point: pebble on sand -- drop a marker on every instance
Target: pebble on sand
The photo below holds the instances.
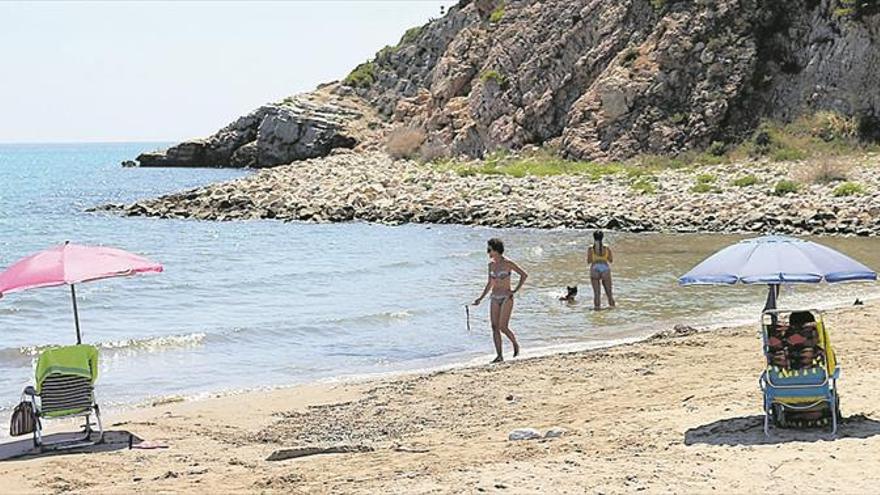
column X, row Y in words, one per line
column 555, row 432
column 524, row 434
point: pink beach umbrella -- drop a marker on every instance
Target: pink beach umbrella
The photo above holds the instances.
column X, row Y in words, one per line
column 71, row 264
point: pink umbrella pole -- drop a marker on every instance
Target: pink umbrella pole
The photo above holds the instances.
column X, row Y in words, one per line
column 75, row 314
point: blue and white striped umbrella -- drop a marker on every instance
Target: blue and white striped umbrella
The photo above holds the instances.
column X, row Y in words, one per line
column 776, row 260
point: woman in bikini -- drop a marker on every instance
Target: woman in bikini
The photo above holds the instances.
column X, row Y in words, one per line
column 600, row 258
column 500, row 269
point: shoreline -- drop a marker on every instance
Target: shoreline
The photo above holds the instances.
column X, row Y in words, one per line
column 666, row 414
column 372, row 187
column 448, row 363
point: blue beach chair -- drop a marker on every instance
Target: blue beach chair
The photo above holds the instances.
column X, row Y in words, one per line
column 800, row 382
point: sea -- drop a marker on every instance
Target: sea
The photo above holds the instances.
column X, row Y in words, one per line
column 258, row 304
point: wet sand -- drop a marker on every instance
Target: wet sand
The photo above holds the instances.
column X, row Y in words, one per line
column 676, row 414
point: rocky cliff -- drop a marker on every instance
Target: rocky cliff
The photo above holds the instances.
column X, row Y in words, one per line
column 598, row 79
column 300, row 127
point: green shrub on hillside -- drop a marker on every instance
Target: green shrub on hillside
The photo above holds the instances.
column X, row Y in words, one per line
column 495, row 76
column 363, row 76
column 818, row 135
column 384, row 53
column 829, row 126
column 787, row 155
column 856, row 9
column 703, row 187
column 497, row 14
column 849, row 189
column 717, row 148
column 539, row 164
column 745, row 181
column 644, row 186
column 410, row 35
column 784, row 187
column 706, row 179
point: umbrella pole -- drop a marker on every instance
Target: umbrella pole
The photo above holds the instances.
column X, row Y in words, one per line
column 75, row 314
column 772, row 294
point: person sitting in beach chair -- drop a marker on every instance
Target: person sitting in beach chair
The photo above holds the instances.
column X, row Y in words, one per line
column 800, row 382
column 65, row 379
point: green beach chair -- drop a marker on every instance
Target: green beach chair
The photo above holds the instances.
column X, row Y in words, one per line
column 65, row 380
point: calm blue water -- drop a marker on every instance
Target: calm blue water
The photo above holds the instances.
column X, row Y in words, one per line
column 264, row 303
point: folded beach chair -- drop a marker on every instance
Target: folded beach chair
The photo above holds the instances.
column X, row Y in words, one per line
column 800, row 382
column 65, row 380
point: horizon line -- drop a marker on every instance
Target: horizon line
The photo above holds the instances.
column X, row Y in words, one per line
column 121, row 141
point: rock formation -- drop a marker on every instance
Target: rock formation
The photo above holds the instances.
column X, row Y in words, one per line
column 599, row 79
column 372, row 187
column 298, row 128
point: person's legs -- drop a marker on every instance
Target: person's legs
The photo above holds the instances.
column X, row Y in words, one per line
column 606, row 282
column 494, row 313
column 504, row 324
column 597, row 289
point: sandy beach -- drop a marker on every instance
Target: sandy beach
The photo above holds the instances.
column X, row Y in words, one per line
column 675, row 414
column 308, row 188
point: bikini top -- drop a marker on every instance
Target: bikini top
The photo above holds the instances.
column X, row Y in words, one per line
column 499, row 274
column 600, row 258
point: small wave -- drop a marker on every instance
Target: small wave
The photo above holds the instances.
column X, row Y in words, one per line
column 153, row 344
column 150, row 344
column 383, row 317
column 469, row 254
column 399, row 264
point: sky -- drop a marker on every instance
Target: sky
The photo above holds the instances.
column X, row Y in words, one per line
column 168, row 71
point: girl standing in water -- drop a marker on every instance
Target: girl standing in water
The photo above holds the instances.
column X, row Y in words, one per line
column 501, row 306
column 600, row 258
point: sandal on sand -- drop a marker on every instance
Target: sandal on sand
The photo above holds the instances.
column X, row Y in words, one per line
column 147, row 445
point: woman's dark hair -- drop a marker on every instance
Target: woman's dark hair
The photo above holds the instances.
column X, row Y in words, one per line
column 495, row 244
column 598, row 248
column 798, row 318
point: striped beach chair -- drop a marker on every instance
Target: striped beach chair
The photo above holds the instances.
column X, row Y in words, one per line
column 65, row 379
column 800, row 382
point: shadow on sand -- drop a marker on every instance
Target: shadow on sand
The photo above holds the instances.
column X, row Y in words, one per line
column 749, row 430
column 24, row 449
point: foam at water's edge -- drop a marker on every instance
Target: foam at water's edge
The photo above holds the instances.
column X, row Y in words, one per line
column 470, row 360
column 149, row 344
